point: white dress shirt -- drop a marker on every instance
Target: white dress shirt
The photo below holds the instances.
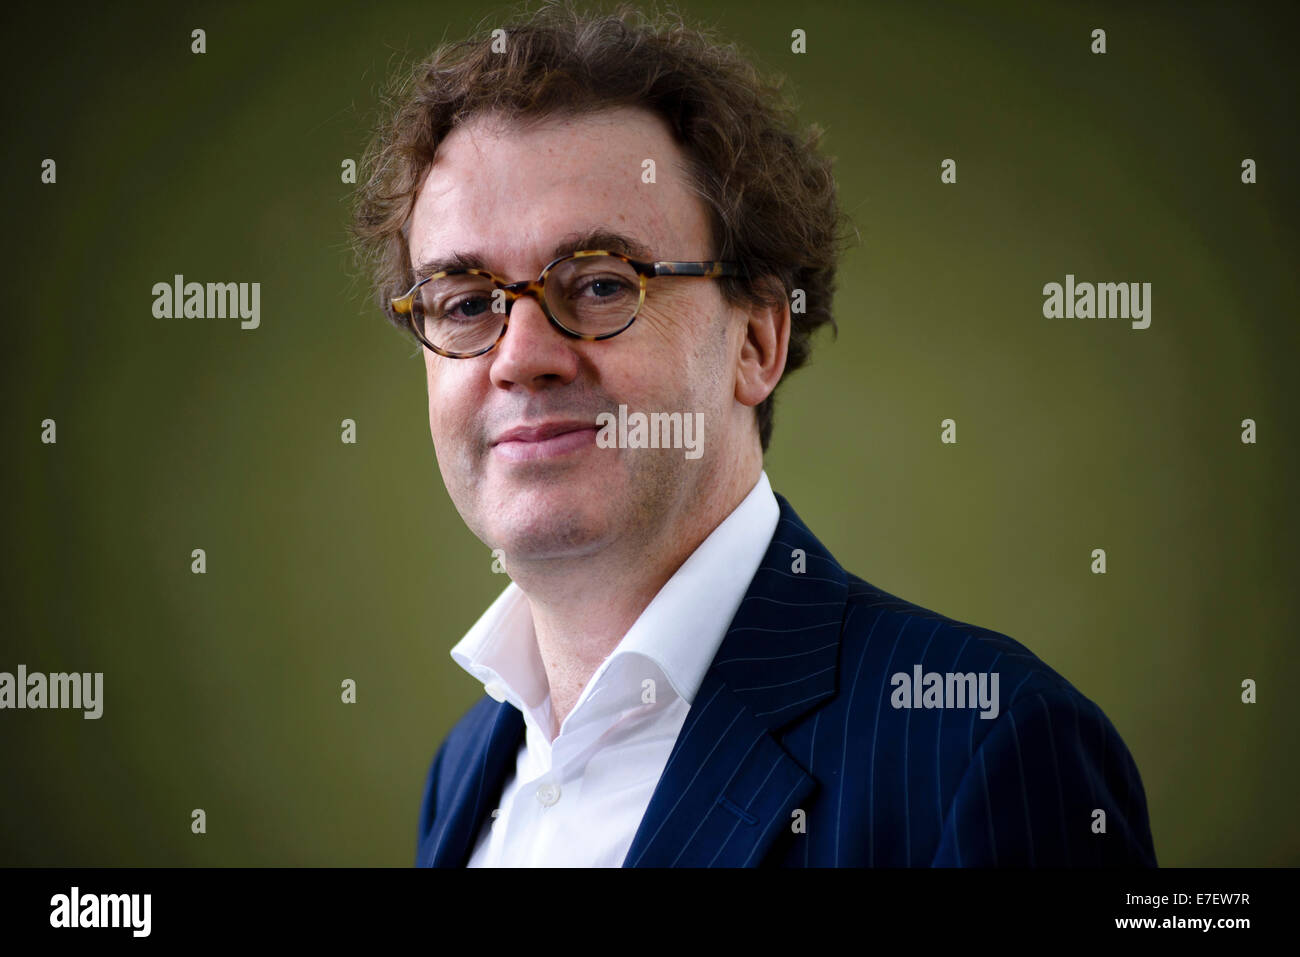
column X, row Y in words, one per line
column 577, row 801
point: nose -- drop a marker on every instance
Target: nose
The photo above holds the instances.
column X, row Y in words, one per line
column 533, row 354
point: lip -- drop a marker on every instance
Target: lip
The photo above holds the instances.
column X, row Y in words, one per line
column 543, row 430
column 545, row 439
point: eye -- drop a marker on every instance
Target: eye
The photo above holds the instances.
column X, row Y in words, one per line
column 603, row 287
column 466, row 308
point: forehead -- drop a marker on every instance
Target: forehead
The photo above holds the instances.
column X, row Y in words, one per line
column 509, row 193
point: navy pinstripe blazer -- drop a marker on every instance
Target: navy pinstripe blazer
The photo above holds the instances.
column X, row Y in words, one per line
column 793, row 753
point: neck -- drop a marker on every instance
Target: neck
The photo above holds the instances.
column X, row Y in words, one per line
column 582, row 607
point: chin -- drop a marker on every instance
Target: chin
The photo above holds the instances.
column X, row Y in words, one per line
column 548, row 523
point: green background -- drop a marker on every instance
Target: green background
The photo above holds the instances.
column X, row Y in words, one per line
column 329, row 561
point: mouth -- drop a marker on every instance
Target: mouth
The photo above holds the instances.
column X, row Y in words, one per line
column 546, row 440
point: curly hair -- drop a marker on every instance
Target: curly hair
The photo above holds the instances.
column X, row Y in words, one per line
column 770, row 195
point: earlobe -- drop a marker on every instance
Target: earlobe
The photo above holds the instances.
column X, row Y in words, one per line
column 763, row 351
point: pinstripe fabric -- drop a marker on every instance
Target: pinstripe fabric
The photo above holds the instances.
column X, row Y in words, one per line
column 795, row 715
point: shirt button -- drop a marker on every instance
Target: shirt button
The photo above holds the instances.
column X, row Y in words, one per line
column 548, row 793
column 495, row 690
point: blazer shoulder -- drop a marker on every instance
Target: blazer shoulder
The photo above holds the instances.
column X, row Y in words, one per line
column 879, row 623
column 1046, row 780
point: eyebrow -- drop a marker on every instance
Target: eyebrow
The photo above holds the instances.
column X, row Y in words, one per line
column 600, row 237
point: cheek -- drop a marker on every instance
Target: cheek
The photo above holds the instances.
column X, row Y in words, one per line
column 673, row 316
column 435, row 402
column 445, row 414
column 681, row 331
column 690, row 339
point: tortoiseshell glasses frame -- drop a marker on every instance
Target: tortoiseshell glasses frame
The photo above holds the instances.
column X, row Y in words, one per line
column 535, row 288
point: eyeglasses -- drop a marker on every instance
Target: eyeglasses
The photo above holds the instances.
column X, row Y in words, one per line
column 591, row 295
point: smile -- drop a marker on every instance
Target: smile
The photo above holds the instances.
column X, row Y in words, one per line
column 531, row 445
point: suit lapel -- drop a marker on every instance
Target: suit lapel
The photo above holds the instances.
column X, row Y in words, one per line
column 729, row 788
column 478, row 788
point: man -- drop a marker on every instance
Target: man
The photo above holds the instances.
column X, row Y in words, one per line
column 595, row 228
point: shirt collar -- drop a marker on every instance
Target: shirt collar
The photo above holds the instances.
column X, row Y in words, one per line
column 680, row 630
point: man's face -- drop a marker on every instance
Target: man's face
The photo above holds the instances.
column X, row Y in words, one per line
column 514, row 196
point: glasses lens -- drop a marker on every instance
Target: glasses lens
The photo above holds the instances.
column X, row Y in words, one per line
column 459, row 313
column 593, row 295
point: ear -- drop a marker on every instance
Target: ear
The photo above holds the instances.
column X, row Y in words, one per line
column 763, row 350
